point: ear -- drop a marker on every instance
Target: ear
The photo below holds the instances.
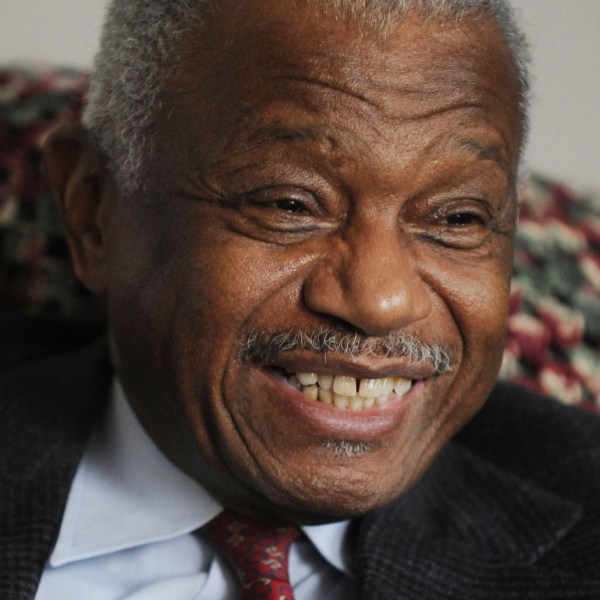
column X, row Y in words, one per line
column 84, row 192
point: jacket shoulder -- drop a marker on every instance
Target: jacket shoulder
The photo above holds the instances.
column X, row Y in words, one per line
column 538, row 438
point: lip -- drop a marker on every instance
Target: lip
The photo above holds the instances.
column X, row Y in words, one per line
column 328, row 422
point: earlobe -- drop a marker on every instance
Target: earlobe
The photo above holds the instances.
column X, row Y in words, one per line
column 80, row 185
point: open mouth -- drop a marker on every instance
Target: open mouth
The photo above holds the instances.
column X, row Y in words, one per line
column 348, row 393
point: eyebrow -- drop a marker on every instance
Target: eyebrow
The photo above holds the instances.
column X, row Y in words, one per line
column 288, row 134
column 482, row 150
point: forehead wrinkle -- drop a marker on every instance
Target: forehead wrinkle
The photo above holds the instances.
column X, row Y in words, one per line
column 380, row 96
column 379, row 93
column 329, row 85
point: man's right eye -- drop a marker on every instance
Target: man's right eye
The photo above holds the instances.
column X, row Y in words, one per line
column 284, row 200
column 289, row 205
column 282, row 214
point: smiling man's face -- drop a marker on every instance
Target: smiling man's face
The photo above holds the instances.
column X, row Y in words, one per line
column 330, row 201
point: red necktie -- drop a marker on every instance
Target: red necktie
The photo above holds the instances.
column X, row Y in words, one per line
column 257, row 551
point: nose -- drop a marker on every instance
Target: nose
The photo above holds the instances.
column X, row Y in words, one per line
column 369, row 280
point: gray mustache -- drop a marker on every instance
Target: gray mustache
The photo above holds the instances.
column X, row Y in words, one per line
column 263, row 346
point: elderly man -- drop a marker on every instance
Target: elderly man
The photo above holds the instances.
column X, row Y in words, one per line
column 301, row 215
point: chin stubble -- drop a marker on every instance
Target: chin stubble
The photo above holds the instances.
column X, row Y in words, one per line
column 347, row 449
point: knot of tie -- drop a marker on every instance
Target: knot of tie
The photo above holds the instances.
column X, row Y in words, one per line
column 257, row 551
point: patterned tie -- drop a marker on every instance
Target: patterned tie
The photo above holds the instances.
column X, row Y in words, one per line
column 257, row 551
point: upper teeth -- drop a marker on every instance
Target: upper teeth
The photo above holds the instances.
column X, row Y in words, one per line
column 347, row 392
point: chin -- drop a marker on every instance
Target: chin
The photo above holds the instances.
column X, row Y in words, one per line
column 343, row 492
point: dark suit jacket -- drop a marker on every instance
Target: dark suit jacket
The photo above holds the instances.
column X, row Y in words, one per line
column 509, row 510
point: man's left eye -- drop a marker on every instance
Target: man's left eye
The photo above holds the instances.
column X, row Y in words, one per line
column 464, row 219
column 278, row 214
column 462, row 224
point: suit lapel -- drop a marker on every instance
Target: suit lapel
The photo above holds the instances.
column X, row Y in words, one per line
column 46, row 414
column 468, row 530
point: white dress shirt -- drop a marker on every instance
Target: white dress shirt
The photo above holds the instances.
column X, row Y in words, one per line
column 127, row 532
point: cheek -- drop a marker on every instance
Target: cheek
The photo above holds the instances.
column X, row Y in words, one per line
column 471, row 304
column 479, row 301
column 481, row 317
column 216, row 286
column 475, row 291
column 475, row 294
column 236, row 281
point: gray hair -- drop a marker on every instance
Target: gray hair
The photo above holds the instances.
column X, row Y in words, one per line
column 137, row 51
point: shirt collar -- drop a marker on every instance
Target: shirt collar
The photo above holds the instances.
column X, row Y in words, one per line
column 126, row 494
column 331, row 540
